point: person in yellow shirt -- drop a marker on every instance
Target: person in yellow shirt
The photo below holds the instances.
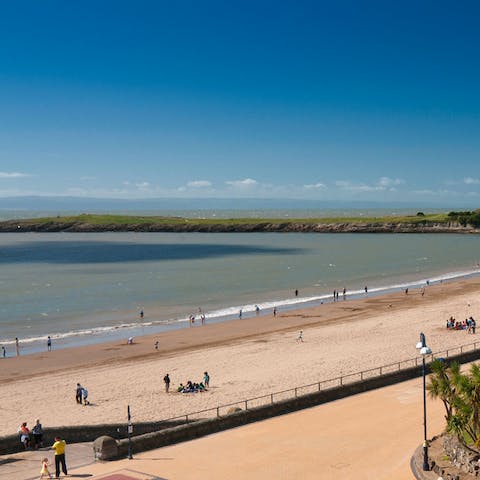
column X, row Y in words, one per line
column 59, row 447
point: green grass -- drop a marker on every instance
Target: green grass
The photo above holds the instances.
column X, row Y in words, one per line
column 157, row 220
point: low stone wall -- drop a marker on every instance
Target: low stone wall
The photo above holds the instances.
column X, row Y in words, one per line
column 461, row 456
column 84, row 433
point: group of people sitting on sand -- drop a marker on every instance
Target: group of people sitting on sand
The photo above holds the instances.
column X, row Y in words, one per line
column 191, row 387
column 468, row 324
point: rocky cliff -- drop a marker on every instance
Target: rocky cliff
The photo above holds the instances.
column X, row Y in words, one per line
column 194, row 226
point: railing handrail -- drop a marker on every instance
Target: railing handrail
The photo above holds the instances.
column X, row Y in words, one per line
column 337, row 380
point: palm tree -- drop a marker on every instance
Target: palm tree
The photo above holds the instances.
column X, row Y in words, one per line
column 441, row 386
column 460, row 394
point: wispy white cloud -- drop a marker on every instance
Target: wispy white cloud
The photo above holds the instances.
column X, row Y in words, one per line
column 199, row 184
column 315, row 186
column 435, row 192
column 389, row 182
column 358, row 187
column 13, row 175
column 471, row 181
column 381, row 185
column 245, row 183
column 136, row 185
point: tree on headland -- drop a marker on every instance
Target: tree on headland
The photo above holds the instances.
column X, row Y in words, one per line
column 466, row 218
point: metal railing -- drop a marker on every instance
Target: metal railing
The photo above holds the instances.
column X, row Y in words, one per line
column 271, row 398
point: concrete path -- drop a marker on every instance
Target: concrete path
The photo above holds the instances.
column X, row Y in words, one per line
column 26, row 465
column 367, row 436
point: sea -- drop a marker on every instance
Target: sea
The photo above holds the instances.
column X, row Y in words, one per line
column 85, row 288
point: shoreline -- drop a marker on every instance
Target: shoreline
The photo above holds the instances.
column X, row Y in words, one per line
column 245, row 358
column 213, row 334
column 153, row 325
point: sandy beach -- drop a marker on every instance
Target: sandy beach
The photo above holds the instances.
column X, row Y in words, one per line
column 245, row 358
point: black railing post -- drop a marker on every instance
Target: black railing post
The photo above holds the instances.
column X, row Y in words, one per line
column 129, row 432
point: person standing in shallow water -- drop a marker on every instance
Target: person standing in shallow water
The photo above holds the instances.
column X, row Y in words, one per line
column 49, row 344
column 17, row 346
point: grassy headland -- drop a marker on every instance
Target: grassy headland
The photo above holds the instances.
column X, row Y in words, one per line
column 444, row 222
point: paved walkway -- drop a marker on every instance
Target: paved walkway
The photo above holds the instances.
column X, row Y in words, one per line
column 367, row 436
column 26, row 465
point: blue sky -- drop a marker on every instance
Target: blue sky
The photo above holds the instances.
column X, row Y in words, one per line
column 345, row 100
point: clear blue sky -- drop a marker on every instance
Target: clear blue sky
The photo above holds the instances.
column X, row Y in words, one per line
column 351, row 100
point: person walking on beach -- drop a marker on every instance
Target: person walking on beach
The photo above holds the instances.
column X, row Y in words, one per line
column 78, row 393
column 206, row 379
column 49, row 344
column 59, row 447
column 240, row 314
column 300, row 336
column 344, row 292
column 4, row 352
column 85, row 396
column 334, row 295
column 44, row 472
column 166, row 380
column 17, row 346
column 202, row 318
column 274, row 311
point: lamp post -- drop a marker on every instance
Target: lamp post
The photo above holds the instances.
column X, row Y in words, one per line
column 424, row 351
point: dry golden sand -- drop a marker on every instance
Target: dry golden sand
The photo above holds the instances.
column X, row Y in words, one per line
column 245, row 358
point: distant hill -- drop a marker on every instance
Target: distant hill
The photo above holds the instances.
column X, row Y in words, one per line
column 87, row 204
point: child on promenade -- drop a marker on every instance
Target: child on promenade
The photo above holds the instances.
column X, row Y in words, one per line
column 44, row 472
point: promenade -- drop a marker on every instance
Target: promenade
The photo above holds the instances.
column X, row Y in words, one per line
column 367, row 436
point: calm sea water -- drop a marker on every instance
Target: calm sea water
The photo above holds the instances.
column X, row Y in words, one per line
column 86, row 288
